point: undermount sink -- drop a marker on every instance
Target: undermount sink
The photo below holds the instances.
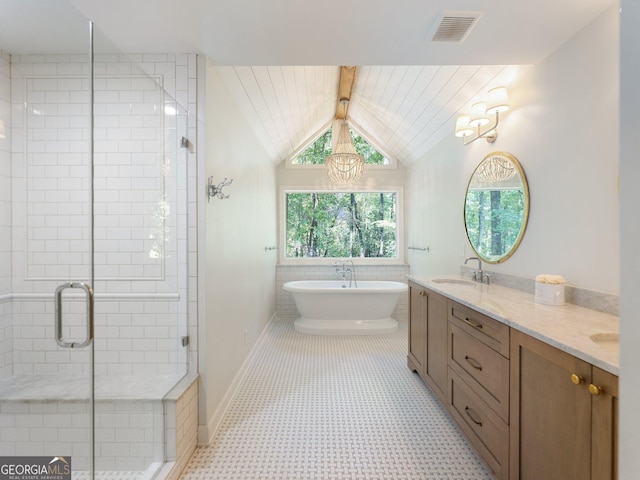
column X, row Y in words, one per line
column 456, row 281
column 609, row 341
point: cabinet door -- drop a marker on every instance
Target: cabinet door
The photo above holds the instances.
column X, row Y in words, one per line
column 436, row 368
column 417, row 357
column 604, row 424
column 551, row 415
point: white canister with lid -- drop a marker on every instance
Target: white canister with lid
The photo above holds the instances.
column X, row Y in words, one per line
column 549, row 290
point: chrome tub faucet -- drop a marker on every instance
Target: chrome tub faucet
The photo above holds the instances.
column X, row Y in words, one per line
column 344, row 271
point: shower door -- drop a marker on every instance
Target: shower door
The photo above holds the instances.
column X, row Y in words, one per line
column 47, row 292
column 93, row 282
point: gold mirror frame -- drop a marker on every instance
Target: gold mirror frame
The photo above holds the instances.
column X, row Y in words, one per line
column 491, row 172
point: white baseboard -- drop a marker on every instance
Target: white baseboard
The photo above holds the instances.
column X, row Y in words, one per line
column 206, row 433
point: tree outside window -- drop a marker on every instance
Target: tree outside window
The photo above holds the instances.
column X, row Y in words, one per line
column 341, row 225
column 315, row 153
column 494, row 219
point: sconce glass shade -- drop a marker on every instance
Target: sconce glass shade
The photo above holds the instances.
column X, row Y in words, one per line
column 462, row 126
column 478, row 114
column 344, row 165
column 497, row 100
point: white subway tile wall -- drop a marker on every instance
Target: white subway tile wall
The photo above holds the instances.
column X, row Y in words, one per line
column 286, row 307
column 128, row 433
column 145, row 250
column 6, row 327
column 143, row 209
column 6, row 335
column 181, row 417
column 135, row 420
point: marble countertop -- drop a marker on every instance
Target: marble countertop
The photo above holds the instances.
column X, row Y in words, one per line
column 567, row 327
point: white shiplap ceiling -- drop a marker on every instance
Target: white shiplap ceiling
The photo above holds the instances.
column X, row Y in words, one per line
column 408, row 90
column 403, row 110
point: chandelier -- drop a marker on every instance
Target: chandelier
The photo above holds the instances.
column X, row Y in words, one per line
column 496, row 168
column 344, row 165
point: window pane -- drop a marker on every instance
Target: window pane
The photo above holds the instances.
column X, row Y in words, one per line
column 321, row 148
column 330, row 225
column 315, row 153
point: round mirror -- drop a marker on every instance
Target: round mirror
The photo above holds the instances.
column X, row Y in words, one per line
column 496, row 207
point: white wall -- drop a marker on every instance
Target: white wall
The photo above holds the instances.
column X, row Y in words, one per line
column 563, row 128
column 630, row 232
column 240, row 274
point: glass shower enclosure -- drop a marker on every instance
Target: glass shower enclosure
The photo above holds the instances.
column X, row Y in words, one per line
column 93, row 243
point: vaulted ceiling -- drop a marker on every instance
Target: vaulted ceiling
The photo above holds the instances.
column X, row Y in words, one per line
column 280, row 58
column 402, row 110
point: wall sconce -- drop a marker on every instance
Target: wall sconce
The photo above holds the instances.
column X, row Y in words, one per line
column 474, row 126
column 216, row 190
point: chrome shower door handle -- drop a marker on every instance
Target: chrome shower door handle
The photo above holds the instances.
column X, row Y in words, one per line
column 58, row 314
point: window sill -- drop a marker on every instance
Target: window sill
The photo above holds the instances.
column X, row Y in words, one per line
column 301, row 262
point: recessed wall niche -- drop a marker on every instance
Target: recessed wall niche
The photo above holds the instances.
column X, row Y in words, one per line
column 139, row 178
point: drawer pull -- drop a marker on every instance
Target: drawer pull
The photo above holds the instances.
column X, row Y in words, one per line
column 576, row 379
column 470, row 413
column 473, row 323
column 473, row 362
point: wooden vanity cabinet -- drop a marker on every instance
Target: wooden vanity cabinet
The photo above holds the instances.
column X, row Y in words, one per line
column 478, row 395
column 417, row 356
column 428, row 337
column 564, row 415
column 532, row 411
column 604, row 426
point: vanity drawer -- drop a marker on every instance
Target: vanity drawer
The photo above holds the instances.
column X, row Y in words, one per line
column 484, row 369
column 484, row 429
column 487, row 330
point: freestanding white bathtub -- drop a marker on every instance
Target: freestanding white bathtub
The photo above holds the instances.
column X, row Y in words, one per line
column 329, row 308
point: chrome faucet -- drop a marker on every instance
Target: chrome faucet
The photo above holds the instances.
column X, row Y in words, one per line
column 476, row 275
column 344, row 271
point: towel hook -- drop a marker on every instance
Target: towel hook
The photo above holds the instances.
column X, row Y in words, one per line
column 216, row 190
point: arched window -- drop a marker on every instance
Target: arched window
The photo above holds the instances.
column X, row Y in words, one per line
column 320, row 148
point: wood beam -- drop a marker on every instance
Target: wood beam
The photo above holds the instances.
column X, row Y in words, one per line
column 345, row 89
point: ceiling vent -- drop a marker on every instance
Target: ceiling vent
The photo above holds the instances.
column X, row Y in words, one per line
column 453, row 26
